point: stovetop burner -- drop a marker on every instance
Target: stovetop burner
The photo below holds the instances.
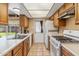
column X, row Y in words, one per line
column 64, row 39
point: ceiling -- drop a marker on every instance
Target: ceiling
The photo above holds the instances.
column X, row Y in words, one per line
column 34, row 10
column 38, row 10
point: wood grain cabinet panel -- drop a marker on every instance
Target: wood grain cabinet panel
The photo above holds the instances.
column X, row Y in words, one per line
column 19, row 53
column 65, row 52
column 56, row 19
column 68, row 5
column 58, row 22
column 52, row 17
column 3, row 13
column 76, row 13
column 24, row 22
column 25, row 48
column 62, row 9
column 17, row 48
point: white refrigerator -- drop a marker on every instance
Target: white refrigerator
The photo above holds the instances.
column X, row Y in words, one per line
column 48, row 26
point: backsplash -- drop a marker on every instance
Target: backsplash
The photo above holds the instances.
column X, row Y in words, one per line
column 70, row 24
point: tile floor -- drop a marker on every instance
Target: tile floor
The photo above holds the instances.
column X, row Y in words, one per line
column 38, row 50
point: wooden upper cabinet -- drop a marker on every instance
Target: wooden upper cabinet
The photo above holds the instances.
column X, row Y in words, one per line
column 62, row 9
column 4, row 13
column 58, row 22
column 52, row 17
column 68, row 5
column 24, row 22
column 55, row 21
column 77, row 13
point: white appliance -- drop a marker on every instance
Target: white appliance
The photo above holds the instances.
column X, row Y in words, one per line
column 54, row 47
column 69, row 36
column 48, row 26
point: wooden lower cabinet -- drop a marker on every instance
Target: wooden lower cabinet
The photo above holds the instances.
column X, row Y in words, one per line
column 18, row 50
column 21, row 49
column 26, row 47
column 65, row 52
column 19, row 53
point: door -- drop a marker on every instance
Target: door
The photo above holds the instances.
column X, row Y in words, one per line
column 39, row 36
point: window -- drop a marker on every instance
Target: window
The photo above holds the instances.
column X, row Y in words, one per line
column 38, row 25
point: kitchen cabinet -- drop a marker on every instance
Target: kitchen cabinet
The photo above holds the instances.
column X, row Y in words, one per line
column 18, row 50
column 76, row 13
column 9, row 53
column 52, row 17
column 62, row 9
column 68, row 5
column 24, row 22
column 4, row 13
column 26, row 47
column 19, row 53
column 58, row 22
column 56, row 19
column 65, row 52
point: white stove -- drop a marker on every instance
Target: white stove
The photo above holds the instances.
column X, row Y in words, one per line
column 55, row 41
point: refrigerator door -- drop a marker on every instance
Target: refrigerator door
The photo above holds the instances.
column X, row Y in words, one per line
column 48, row 26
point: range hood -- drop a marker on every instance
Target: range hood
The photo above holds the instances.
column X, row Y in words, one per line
column 67, row 14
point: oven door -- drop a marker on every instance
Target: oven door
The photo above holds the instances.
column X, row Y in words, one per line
column 54, row 48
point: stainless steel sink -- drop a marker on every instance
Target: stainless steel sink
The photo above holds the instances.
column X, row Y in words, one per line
column 19, row 37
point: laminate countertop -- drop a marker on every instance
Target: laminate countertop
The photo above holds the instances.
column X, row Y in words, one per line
column 8, row 45
column 72, row 47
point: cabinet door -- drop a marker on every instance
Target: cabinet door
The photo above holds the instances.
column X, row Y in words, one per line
column 62, row 23
column 17, row 48
column 68, row 5
column 26, row 47
column 77, row 13
column 56, row 19
column 3, row 13
column 24, row 21
column 52, row 17
column 21, row 21
column 19, row 52
column 65, row 52
column 62, row 9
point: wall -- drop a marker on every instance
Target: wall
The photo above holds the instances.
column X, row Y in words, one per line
column 38, row 37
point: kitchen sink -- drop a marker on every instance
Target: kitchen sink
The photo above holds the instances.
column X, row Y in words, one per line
column 19, row 37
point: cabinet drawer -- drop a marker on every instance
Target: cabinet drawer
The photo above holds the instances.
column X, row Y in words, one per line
column 17, row 48
column 19, row 52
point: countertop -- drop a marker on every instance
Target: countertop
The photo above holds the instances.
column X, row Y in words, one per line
column 72, row 47
column 7, row 45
